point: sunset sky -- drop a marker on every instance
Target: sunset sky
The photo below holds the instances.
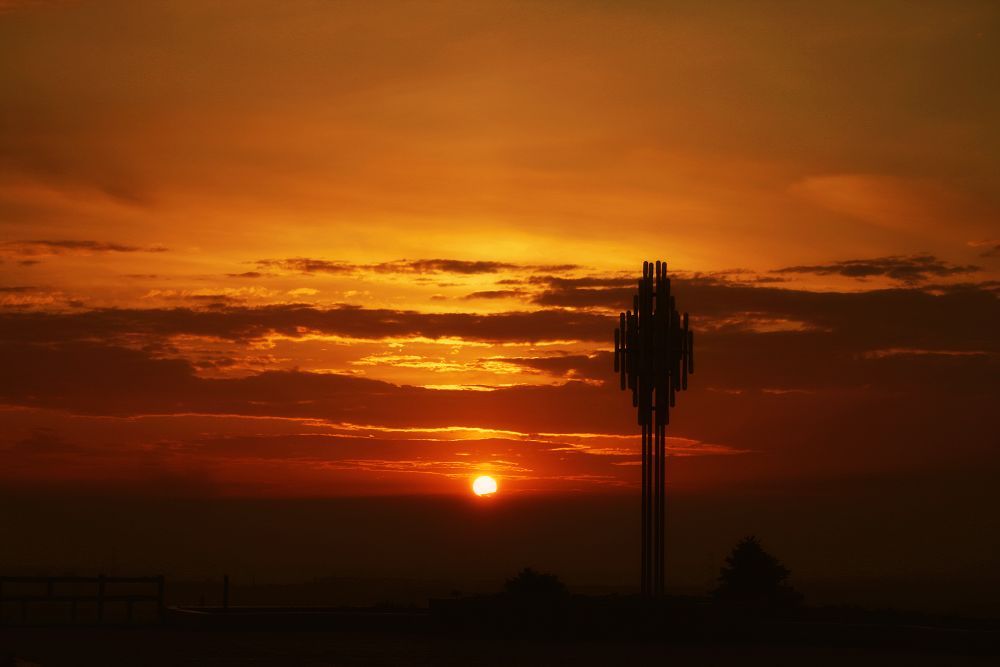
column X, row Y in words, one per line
column 337, row 249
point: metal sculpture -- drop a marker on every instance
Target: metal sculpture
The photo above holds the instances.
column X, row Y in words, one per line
column 654, row 354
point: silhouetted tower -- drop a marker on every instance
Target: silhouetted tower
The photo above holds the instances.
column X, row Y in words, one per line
column 654, row 353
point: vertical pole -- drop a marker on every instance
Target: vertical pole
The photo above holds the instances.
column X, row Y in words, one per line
column 652, row 354
column 649, row 368
column 645, row 537
column 100, row 598
column 620, row 365
column 650, row 508
column 160, row 601
column 663, row 509
column 659, row 517
column 654, row 547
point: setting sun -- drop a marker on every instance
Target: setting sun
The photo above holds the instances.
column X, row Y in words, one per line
column 484, row 486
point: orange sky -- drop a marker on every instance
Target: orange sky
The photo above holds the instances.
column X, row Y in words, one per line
column 320, row 248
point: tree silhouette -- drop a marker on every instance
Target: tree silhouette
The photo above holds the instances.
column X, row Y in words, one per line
column 753, row 576
column 529, row 582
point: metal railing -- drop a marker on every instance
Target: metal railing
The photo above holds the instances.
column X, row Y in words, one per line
column 52, row 590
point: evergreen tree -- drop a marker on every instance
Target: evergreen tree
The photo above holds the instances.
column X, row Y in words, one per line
column 753, row 576
column 529, row 582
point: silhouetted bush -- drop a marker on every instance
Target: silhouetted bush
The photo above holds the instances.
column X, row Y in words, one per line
column 751, row 576
column 529, row 582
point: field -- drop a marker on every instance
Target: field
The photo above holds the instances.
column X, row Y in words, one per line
column 153, row 647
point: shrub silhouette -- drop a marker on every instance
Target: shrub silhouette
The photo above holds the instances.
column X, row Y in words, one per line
column 751, row 576
column 529, row 582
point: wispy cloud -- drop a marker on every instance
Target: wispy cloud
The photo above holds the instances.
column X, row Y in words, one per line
column 43, row 248
column 411, row 266
column 989, row 247
column 908, row 269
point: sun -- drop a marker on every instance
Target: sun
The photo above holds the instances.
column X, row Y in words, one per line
column 484, row 486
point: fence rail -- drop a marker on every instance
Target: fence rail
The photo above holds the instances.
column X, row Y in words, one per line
column 99, row 597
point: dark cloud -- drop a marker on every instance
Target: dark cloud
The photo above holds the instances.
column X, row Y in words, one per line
column 990, row 286
column 307, row 265
column 70, row 247
column 494, row 294
column 988, row 248
column 16, row 289
column 881, row 376
column 602, row 282
column 960, row 316
column 97, row 379
column 796, row 397
column 911, row 269
column 442, row 266
column 418, row 266
column 893, row 349
column 579, row 366
column 586, row 297
column 294, row 320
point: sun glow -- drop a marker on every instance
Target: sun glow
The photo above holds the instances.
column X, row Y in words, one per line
column 484, row 486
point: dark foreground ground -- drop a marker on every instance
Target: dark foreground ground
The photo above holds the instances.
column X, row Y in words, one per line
column 55, row 647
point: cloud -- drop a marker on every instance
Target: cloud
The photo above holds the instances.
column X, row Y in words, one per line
column 297, row 321
column 247, row 274
column 956, row 317
column 286, row 453
column 27, row 296
column 595, row 366
column 894, row 202
column 910, row 270
column 960, row 316
column 305, row 265
column 42, row 248
column 458, row 266
column 990, row 247
column 494, row 294
column 825, row 396
column 810, row 404
column 406, row 266
column 88, row 378
column 43, row 441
